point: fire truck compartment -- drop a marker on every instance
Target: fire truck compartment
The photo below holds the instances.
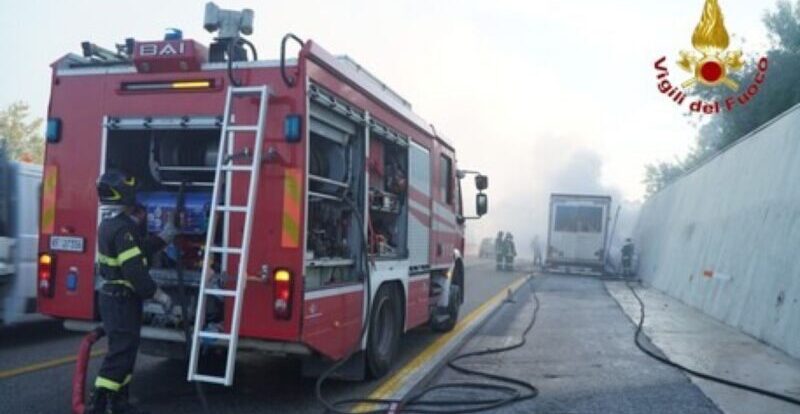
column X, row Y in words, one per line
column 335, row 238
column 176, row 174
column 351, row 179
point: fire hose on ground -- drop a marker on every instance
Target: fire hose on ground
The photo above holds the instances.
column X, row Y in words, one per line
column 81, row 365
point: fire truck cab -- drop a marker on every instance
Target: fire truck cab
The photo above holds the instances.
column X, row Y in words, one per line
column 344, row 206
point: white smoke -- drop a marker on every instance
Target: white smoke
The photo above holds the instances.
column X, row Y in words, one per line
column 519, row 197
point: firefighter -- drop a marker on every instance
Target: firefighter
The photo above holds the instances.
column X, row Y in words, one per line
column 122, row 260
column 627, row 257
column 510, row 252
column 499, row 250
column 537, row 252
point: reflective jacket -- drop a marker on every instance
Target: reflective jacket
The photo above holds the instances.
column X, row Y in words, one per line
column 122, row 255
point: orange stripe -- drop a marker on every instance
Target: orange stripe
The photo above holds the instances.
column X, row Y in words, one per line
column 49, row 199
column 290, row 234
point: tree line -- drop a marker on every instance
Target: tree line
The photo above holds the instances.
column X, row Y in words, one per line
column 20, row 136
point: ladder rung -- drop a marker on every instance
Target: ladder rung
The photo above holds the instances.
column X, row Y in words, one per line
column 236, row 168
column 214, row 335
column 234, row 209
column 247, row 90
column 209, row 378
column 220, row 292
column 228, row 250
column 242, row 128
column 247, row 160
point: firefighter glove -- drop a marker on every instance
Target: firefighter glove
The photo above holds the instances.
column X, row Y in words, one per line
column 163, row 299
column 169, row 231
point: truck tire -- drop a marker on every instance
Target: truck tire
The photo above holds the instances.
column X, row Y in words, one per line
column 447, row 324
column 439, row 324
column 384, row 332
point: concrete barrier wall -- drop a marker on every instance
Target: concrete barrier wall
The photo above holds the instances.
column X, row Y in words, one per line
column 737, row 217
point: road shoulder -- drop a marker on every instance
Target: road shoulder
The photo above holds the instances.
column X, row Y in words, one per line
column 690, row 337
column 579, row 354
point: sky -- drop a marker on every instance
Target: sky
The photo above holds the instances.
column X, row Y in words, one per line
column 542, row 96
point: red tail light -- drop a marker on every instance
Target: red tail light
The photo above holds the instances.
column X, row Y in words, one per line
column 282, row 293
column 46, row 280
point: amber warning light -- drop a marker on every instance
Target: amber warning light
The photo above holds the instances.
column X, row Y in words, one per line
column 184, row 85
column 282, row 294
column 45, row 273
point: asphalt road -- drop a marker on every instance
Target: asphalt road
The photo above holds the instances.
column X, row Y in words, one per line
column 262, row 385
column 580, row 355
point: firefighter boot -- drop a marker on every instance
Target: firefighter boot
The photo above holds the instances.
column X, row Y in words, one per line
column 98, row 400
column 118, row 403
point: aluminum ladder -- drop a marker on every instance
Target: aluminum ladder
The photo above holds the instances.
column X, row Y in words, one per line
column 224, row 174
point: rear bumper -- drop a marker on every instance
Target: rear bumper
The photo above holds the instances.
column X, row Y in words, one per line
column 575, row 269
column 574, row 262
column 176, row 336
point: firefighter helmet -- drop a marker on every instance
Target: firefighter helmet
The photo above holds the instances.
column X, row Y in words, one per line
column 117, row 188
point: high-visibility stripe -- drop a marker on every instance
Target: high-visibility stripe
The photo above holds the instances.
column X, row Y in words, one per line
column 49, row 199
column 120, row 259
column 128, row 255
column 122, row 282
column 108, row 261
column 127, row 380
column 290, row 234
column 106, row 383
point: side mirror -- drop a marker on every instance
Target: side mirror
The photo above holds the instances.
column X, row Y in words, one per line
column 481, row 182
column 481, row 204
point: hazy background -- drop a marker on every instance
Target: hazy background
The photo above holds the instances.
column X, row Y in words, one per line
column 543, row 96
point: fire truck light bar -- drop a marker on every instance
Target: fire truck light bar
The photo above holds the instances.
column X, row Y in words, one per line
column 167, row 85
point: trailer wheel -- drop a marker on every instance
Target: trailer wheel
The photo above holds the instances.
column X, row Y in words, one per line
column 384, row 332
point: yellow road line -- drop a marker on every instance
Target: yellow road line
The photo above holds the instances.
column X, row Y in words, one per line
column 393, row 383
column 46, row 364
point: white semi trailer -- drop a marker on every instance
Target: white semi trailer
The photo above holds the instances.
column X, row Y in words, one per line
column 577, row 233
column 20, row 189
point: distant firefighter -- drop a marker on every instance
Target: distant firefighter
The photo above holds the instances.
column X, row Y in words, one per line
column 510, row 252
column 537, row 251
column 499, row 250
column 628, row 250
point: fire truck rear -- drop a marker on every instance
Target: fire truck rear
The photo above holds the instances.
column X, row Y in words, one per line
column 311, row 199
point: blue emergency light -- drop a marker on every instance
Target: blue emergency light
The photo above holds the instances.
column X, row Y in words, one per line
column 53, row 133
column 72, row 280
column 173, row 34
column 291, row 128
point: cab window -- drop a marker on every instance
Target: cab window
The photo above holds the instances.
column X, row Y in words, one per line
column 446, row 179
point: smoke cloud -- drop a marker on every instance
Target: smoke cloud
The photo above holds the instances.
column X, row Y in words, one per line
column 519, row 203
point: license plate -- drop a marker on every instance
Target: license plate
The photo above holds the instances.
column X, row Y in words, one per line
column 66, row 244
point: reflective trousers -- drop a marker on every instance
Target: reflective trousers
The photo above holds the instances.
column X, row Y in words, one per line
column 121, row 312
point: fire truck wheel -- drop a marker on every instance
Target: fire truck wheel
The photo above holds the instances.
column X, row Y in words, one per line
column 384, row 332
column 447, row 323
column 444, row 320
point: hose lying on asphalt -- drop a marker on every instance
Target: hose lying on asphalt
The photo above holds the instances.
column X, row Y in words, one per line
column 651, row 354
column 511, row 390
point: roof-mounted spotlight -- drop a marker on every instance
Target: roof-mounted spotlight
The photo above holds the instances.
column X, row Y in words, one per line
column 228, row 46
column 229, row 23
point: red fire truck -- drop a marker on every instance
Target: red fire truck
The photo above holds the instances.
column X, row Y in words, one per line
column 311, row 199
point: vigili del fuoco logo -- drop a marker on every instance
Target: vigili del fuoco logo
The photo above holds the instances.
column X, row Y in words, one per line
column 710, row 66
